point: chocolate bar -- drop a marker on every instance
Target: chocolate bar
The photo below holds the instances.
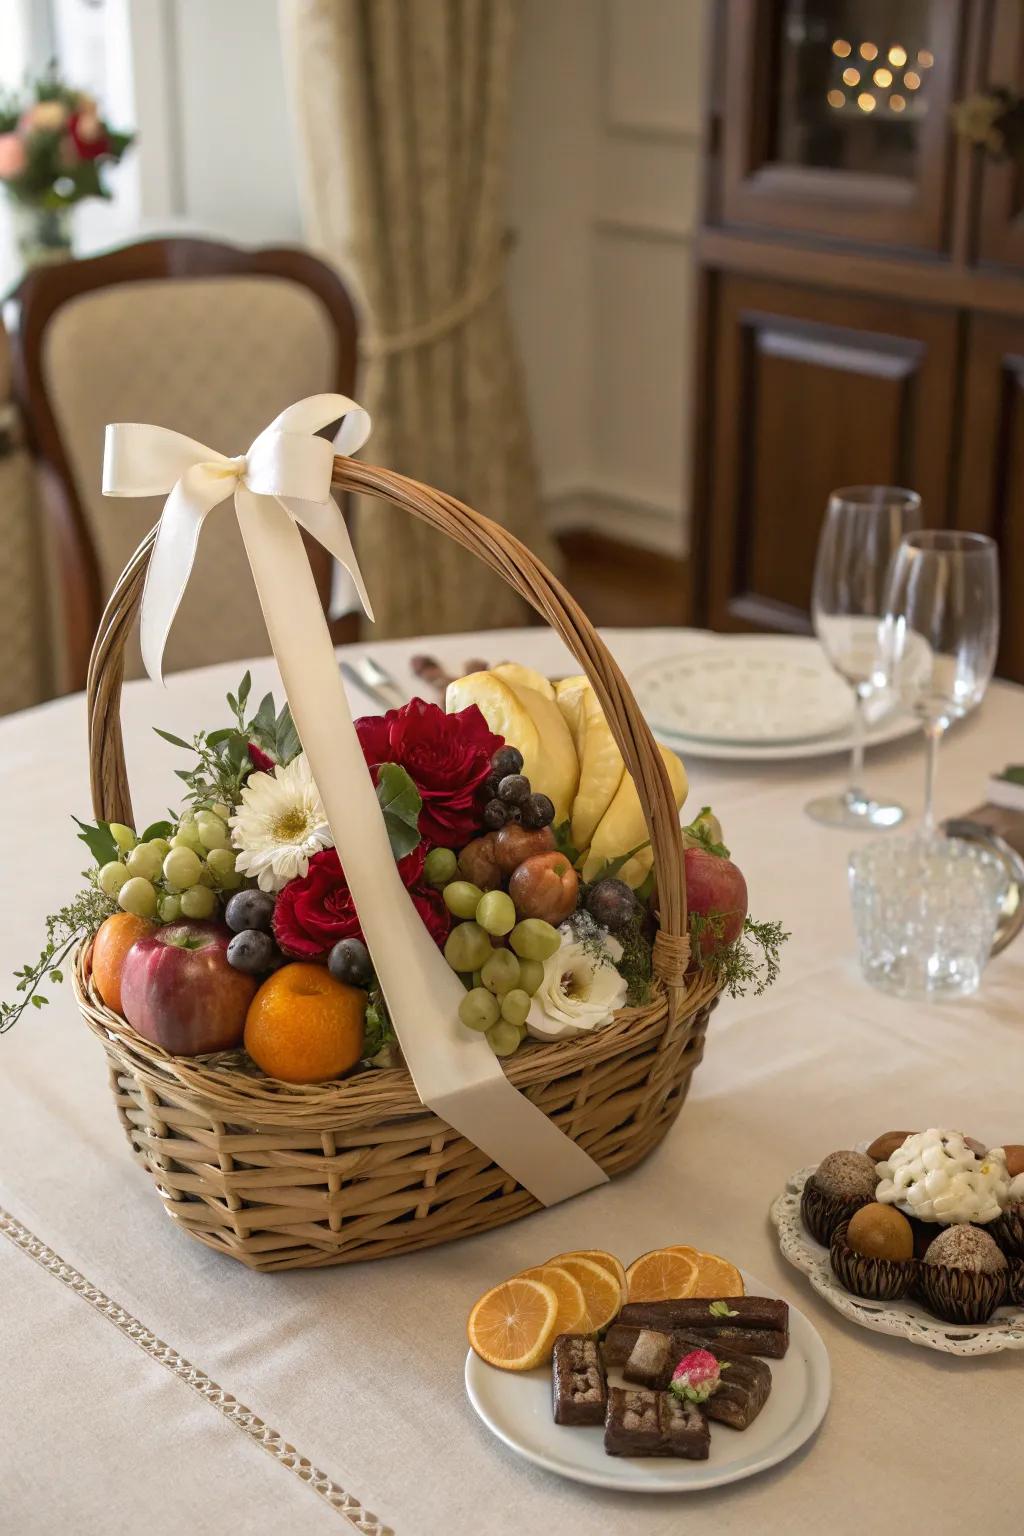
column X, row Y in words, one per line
column 741, row 1393
column 641, row 1423
column 621, row 1338
column 579, row 1391
column 698, row 1312
column 651, row 1360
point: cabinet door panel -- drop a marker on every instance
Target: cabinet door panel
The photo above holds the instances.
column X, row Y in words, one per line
column 991, row 487
column 835, row 120
column 811, row 391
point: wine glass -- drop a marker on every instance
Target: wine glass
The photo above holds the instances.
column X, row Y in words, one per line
column 860, row 536
column 941, row 633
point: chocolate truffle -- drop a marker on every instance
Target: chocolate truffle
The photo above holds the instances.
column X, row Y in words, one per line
column 880, row 1232
column 846, row 1176
column 876, row 1277
column 1008, row 1229
column 966, row 1247
column 963, row 1278
column 883, row 1147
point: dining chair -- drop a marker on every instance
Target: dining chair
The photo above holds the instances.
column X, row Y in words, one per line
column 206, row 338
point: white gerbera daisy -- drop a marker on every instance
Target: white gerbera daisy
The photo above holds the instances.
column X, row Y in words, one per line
column 279, row 825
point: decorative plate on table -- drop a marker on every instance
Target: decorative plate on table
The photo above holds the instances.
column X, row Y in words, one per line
column 516, row 1406
column 744, row 693
column 904, row 1319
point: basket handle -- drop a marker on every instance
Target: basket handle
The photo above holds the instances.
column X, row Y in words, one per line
column 533, row 582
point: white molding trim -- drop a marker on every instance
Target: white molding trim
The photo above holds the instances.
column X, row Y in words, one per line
column 656, row 526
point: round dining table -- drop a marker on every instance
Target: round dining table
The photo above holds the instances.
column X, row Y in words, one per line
column 151, row 1385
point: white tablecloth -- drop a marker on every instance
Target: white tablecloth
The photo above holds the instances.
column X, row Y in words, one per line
column 144, row 1379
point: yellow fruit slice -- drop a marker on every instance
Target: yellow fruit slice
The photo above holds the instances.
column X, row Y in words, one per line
column 601, row 773
column 601, row 1290
column 685, row 1249
column 716, row 1277
column 501, row 708
column 513, row 1326
column 622, row 826
column 572, row 1309
column 524, row 677
column 606, row 1260
column 661, row 1276
column 556, row 770
column 570, row 693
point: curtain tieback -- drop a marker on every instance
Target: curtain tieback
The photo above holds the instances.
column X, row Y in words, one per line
column 479, row 293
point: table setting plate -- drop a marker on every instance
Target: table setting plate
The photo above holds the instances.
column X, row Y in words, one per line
column 901, row 1319
column 516, row 1407
column 758, row 699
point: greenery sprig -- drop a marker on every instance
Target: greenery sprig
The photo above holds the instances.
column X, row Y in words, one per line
column 750, row 962
column 64, row 929
column 223, row 762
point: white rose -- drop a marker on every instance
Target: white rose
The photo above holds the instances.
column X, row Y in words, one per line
column 581, row 990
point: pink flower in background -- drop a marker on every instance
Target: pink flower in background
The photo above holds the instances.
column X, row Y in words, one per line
column 12, row 156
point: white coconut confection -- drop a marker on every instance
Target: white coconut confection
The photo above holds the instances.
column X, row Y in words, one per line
column 936, row 1177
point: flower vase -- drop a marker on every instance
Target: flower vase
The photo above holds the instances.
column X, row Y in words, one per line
column 43, row 235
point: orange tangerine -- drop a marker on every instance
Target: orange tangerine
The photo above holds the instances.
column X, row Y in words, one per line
column 661, row 1276
column 114, row 938
column 305, row 1027
column 514, row 1325
column 716, row 1277
column 572, row 1309
column 601, row 1291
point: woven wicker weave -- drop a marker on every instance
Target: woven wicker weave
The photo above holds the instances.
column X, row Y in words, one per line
column 285, row 1176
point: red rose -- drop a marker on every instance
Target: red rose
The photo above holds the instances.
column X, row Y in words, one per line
column 88, row 135
column 312, row 913
column 448, row 757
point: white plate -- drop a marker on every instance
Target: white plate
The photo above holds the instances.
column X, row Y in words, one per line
column 743, row 693
column 905, row 1319
column 517, row 1408
column 893, row 727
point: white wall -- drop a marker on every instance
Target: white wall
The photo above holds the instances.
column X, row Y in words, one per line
column 604, row 188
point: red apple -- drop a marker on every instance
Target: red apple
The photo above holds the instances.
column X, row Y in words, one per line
column 545, row 886
column 178, row 990
column 716, row 888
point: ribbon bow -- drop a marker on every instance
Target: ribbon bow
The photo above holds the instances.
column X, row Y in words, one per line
column 286, row 463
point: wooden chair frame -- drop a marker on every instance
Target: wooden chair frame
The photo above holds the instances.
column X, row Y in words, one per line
column 35, row 302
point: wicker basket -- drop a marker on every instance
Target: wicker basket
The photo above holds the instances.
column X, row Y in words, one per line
column 282, row 1176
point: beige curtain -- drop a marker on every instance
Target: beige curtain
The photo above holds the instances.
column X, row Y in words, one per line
column 401, row 109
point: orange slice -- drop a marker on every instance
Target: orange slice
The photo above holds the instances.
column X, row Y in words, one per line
column 661, row 1276
column 685, row 1249
column 513, row 1326
column 716, row 1277
column 597, row 1256
column 572, row 1309
column 601, row 1290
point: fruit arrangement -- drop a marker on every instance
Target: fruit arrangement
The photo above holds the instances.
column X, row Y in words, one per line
column 515, row 829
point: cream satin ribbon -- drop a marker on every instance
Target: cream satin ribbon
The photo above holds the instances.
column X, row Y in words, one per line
column 284, row 481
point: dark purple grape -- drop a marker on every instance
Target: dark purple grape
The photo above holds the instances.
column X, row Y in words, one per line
column 249, row 909
column 611, row 903
column 513, row 813
column 490, row 788
column 538, row 811
column 505, row 761
column 349, row 961
column 495, row 814
column 514, row 789
column 252, row 951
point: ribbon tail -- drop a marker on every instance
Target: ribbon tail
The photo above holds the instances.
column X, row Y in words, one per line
column 453, row 1068
column 170, row 564
column 326, row 522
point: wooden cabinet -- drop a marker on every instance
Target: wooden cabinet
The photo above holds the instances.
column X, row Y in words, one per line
column 861, row 292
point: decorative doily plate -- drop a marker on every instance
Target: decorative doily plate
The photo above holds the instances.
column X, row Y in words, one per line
column 905, row 1319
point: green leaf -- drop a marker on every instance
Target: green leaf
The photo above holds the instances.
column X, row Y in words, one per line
column 156, row 829
column 564, row 843
column 99, row 840
column 720, row 1309
column 244, row 689
column 262, row 723
column 645, row 890
column 175, row 741
column 216, row 738
column 698, row 835
column 401, row 804
column 1014, row 775
column 610, row 868
column 286, row 738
